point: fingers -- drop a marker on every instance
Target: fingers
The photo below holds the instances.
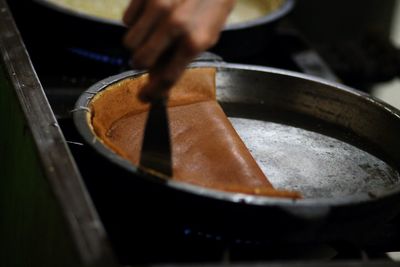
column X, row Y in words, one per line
column 154, row 11
column 132, row 11
column 182, row 24
column 169, row 34
column 149, row 54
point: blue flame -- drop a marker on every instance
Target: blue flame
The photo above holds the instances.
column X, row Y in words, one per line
column 116, row 61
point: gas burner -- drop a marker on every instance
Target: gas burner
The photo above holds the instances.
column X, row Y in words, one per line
column 99, row 57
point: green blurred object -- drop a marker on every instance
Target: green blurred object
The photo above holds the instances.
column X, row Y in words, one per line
column 46, row 216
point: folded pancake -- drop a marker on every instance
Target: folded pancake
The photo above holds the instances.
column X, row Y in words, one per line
column 206, row 150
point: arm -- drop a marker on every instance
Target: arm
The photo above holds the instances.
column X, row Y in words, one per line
column 165, row 35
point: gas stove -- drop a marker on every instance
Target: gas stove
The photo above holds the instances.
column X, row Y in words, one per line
column 66, row 71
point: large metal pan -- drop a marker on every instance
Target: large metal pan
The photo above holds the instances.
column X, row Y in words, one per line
column 338, row 146
column 77, row 29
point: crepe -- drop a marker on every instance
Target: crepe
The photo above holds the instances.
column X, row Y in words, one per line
column 206, row 150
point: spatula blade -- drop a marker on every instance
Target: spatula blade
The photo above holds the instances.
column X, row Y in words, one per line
column 156, row 146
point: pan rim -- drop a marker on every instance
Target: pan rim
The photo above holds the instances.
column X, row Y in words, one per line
column 80, row 120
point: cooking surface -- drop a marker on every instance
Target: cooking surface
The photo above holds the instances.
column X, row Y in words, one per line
column 317, row 165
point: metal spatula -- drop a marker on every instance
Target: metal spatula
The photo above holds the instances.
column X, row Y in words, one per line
column 156, row 147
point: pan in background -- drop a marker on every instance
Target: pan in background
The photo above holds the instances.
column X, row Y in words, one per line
column 77, row 29
column 338, row 146
column 244, row 12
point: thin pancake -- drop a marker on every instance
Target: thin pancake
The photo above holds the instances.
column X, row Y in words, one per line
column 207, row 151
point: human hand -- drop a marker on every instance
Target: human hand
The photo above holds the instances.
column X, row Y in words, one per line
column 165, row 35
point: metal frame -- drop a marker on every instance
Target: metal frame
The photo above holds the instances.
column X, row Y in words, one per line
column 61, row 173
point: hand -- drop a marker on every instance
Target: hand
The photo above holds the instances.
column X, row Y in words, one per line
column 165, row 35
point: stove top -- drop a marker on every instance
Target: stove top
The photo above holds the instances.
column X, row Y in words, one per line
column 66, row 71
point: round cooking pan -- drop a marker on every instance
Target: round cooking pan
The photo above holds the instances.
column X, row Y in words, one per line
column 77, row 29
column 337, row 146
